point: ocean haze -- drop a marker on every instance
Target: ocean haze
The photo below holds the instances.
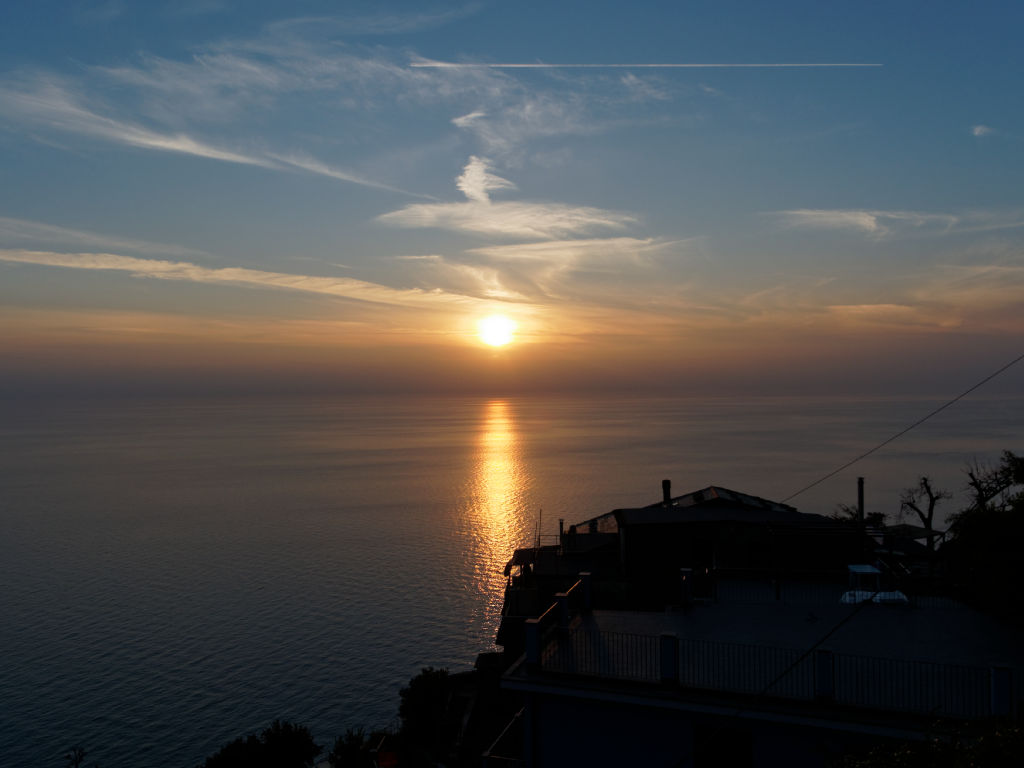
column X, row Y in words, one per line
column 178, row 572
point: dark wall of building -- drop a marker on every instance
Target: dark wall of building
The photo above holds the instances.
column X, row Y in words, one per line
column 574, row 731
column 655, row 549
column 594, row 733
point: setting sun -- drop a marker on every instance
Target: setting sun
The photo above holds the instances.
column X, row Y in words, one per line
column 496, row 330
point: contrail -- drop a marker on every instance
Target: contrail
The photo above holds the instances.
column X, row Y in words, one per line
column 793, row 65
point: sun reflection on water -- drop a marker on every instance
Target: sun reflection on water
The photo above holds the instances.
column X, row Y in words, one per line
column 497, row 499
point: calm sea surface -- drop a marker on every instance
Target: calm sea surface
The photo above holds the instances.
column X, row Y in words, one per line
column 174, row 574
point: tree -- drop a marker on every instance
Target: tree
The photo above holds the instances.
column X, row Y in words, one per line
column 922, row 501
column 983, row 551
column 282, row 745
column 353, row 750
column 847, row 513
column 424, row 711
column 987, row 483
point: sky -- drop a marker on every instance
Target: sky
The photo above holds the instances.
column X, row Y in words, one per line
column 210, row 195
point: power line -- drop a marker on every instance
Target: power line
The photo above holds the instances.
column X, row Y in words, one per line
column 900, row 434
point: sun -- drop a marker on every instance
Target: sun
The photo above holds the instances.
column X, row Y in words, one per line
column 496, row 330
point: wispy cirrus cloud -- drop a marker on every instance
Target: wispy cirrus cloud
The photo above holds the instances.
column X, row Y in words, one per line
column 511, row 118
column 980, row 130
column 907, row 316
column 312, row 165
column 438, row 272
column 644, row 88
column 481, row 215
column 346, row 22
column 226, row 88
column 51, row 105
column 344, row 288
column 882, row 223
column 24, row 231
column 977, row 287
column 477, row 182
column 210, row 86
column 620, row 271
column 508, row 219
column 615, row 272
column 877, row 223
column 595, row 252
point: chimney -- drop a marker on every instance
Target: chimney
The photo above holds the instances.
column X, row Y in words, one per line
column 860, row 501
column 666, row 492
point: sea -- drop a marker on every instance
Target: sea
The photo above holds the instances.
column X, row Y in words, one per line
column 175, row 573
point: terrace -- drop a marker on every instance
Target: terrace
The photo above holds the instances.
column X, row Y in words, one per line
column 939, row 660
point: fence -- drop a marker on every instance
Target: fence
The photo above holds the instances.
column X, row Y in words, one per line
column 746, row 669
column 605, row 654
column 940, row 690
column 915, row 686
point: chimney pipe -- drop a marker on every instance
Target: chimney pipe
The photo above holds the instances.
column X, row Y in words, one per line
column 860, row 501
column 666, row 491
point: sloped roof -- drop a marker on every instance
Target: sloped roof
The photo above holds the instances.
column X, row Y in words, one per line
column 909, row 531
column 716, row 504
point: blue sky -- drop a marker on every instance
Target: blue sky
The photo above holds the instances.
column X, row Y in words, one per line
column 213, row 189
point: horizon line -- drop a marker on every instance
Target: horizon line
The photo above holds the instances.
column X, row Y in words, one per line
column 540, row 65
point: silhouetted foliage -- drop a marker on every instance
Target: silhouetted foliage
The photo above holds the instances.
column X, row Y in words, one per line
column 922, row 500
column 983, row 550
column 846, row 513
column 1002, row 747
column 354, row 750
column 282, row 745
column 849, row 513
column 991, row 487
column 423, row 712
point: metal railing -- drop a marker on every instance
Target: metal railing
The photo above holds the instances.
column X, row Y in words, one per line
column 742, row 668
column 899, row 685
column 604, row 654
column 913, row 686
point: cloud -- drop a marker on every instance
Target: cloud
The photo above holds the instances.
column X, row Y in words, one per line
column 466, row 121
column 51, row 105
column 873, row 222
column 614, row 252
column 312, row 165
column 208, row 86
column 617, row 272
column 344, row 288
column 980, row 130
column 476, row 181
column 174, row 104
column 892, row 315
column 380, row 23
column 879, row 223
column 620, row 271
column 481, row 281
column 644, row 89
column 508, row 219
column 981, row 287
column 480, row 215
column 515, row 116
column 21, row 230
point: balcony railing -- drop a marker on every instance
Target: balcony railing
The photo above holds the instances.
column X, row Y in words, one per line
column 604, row 654
column 898, row 685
